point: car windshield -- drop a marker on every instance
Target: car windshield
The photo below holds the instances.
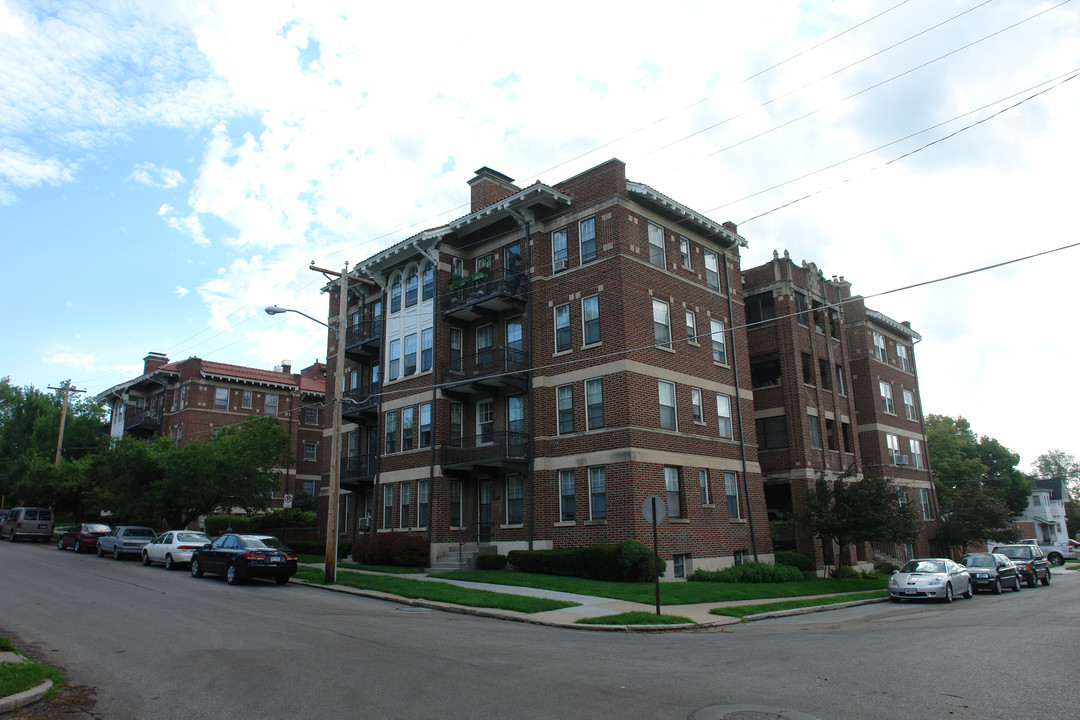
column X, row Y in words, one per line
column 924, row 566
column 263, row 542
column 96, row 528
column 982, row 561
column 191, row 537
column 141, row 532
column 1015, row 552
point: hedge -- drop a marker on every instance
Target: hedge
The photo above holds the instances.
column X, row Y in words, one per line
column 794, row 559
column 751, row 572
column 392, row 548
column 491, row 562
column 631, row 561
column 317, row 547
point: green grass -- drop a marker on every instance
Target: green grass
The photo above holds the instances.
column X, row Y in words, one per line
column 6, row 645
column 389, row 569
column 744, row 610
column 437, row 591
column 682, row 593
column 17, row 677
column 636, row 618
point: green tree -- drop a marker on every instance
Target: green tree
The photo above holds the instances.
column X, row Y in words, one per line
column 1059, row 464
column 960, row 458
column 975, row 513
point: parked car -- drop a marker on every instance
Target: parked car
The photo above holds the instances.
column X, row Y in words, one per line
column 1056, row 554
column 239, row 557
column 1030, row 561
column 990, row 571
column 937, row 578
column 173, row 548
column 125, row 540
column 29, row 523
column 82, row 537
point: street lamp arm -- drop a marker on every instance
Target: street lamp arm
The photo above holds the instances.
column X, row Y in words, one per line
column 275, row 310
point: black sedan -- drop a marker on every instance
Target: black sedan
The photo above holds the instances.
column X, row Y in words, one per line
column 242, row 556
column 991, row 571
column 1030, row 561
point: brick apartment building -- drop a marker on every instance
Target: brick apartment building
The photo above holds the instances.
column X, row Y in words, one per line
column 190, row 398
column 526, row 375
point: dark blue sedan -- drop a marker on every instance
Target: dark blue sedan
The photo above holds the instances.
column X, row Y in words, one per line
column 242, row 556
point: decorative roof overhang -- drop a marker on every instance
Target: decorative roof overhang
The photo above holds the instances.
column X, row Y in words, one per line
column 520, row 203
column 209, row 375
column 152, row 380
column 683, row 215
column 893, row 325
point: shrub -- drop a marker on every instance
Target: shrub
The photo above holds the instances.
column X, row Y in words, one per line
column 636, row 562
column 317, row 547
column 887, row 567
column 751, row 572
column 380, row 550
column 630, row 561
column 410, row 551
column 276, row 519
column 217, row 524
column 491, row 562
column 844, row 572
column 794, row 559
column 359, row 548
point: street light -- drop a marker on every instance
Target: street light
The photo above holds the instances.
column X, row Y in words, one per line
column 330, row 575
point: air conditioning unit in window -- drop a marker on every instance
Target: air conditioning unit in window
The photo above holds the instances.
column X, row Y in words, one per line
column 900, row 459
column 363, row 523
column 559, row 265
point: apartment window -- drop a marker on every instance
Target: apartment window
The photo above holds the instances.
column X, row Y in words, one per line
column 771, row 432
column 246, row 401
column 886, row 397
column 455, row 349
column 562, row 327
column 691, row 326
column 395, row 297
column 221, row 398
column 840, row 380
column 391, row 431
column 590, row 318
column 425, row 425
column 916, row 453
column 667, row 404
column 423, row 503
column 901, row 496
column 695, row 405
column 411, row 287
column 823, row 372
column 719, row 346
column 410, row 354
column 515, row 496
column 566, row 495
column 892, row 443
column 723, row 414
column 559, row 254
column 800, row 309
column 661, row 323
column 483, row 264
column 815, row 431
column 407, row 428
column 564, row 395
column 678, row 564
column 514, row 339
column 731, row 490
column 902, row 357
column 395, row 360
column 309, row 451
column 703, row 484
column 311, row 416
column 739, row 557
column 455, row 503
column 587, row 234
column 924, row 503
column 597, row 494
column 594, row 404
column 674, row 493
column 388, row 507
column 454, row 430
column 759, row 308
column 656, row 245
column 428, row 284
column 426, row 337
column 270, row 404
column 808, row 369
column 684, row 252
column 403, row 517
column 175, row 400
column 515, row 417
column 879, row 347
column 712, row 269
column 909, row 405
column 485, row 421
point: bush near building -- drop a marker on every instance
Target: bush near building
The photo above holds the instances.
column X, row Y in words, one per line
column 630, row 561
column 751, row 572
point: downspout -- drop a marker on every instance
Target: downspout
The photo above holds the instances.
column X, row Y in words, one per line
column 738, row 410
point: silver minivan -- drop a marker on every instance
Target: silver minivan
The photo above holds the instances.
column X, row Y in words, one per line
column 29, row 523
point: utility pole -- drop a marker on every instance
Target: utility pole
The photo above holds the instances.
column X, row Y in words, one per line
column 65, row 389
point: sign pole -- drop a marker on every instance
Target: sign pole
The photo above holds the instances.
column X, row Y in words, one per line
column 655, row 557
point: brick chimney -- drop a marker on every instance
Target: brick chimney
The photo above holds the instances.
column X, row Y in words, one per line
column 489, row 187
column 153, row 361
column 286, row 367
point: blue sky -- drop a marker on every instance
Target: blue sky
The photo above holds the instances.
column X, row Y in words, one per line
column 168, row 169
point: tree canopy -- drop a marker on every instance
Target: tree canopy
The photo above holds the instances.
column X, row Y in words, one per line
column 960, row 458
column 1059, row 464
column 974, row 513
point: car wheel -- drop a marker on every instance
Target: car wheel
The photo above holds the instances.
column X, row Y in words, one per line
column 1046, row 578
column 894, row 599
column 1034, row 581
column 169, row 563
column 100, row 550
column 146, row 559
column 281, row 580
column 59, row 544
column 116, row 553
column 948, row 593
column 232, row 575
column 997, row 586
column 970, row 592
column 1056, row 558
column 196, row 568
column 1016, row 584
column 11, row 537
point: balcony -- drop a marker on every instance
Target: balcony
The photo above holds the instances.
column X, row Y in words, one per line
column 486, row 296
column 357, row 469
column 143, row 420
column 503, row 449
column 360, row 403
column 486, row 372
column 362, row 339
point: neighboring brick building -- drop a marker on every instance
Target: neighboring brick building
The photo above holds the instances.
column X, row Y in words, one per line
column 526, row 375
column 191, row 398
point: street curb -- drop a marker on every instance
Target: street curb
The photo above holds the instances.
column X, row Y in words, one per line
column 18, row 700
column 812, row 609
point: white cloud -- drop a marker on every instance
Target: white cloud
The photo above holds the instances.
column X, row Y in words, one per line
column 66, row 356
column 181, row 291
column 147, row 173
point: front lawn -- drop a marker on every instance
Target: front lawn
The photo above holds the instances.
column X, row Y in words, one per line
column 671, row 593
column 18, row 677
column 744, row 610
column 636, row 618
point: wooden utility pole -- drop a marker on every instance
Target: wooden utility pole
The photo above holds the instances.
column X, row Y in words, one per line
column 65, row 389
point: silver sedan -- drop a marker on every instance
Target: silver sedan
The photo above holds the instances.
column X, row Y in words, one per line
column 173, row 548
column 936, row 578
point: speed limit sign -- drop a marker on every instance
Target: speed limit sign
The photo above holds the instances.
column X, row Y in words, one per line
column 288, row 501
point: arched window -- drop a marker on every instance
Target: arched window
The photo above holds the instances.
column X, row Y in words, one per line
column 429, row 282
column 395, row 297
column 410, row 288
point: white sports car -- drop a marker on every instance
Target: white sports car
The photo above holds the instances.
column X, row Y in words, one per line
column 937, row 578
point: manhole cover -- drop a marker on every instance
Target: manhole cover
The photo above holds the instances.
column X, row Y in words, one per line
column 747, row 712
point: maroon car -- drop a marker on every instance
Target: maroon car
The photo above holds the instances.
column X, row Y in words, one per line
column 83, row 537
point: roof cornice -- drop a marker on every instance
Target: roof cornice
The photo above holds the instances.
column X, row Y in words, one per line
column 683, row 214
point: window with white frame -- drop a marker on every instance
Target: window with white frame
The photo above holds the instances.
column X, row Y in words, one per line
column 455, row 503
column 388, row 507
column 395, row 297
column 566, row 495
column 406, row 492
column 395, row 360
column 924, row 504
column 840, row 380
column 712, row 269
column 590, row 319
column 892, row 444
column 597, row 493
column 455, row 349
column 656, row 246
column 428, row 282
column 594, row 404
column 311, row 416
column 457, row 267
column 661, row 323
column 485, row 340
column 731, row 490
column 695, row 405
column 815, row 431
column 559, row 254
column 515, row 417
column 407, row 415
column 684, row 252
column 515, row 497
column 916, row 453
column 485, row 422
column 426, row 341
column 411, row 288
column 423, row 503
column 221, row 398
column 667, row 404
column 309, row 451
column 587, row 237
column 674, row 492
column 455, row 422
column 410, row 354
column 909, row 405
column 879, row 347
column 886, row 397
column 270, row 404
column 564, row 399
column 678, row 564
column 391, row 431
column 246, row 399
column 723, row 415
column 425, row 425
column 719, row 345
column 514, row 339
column 703, row 485
column 562, row 327
column 691, row 326
column 902, row 358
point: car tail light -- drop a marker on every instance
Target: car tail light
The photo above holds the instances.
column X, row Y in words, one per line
column 254, row 556
column 187, row 547
column 290, row 557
